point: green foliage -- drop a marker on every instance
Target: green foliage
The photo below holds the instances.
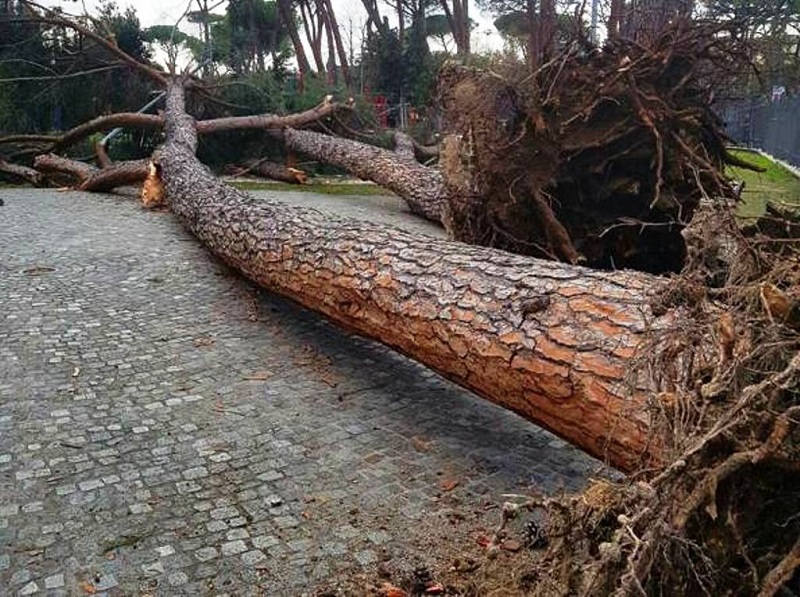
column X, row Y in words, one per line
column 250, row 31
column 401, row 70
column 366, row 189
column 771, row 27
column 124, row 28
column 29, row 50
column 167, row 36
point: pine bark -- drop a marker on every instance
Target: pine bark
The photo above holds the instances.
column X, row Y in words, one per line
column 17, row 171
column 549, row 341
column 421, row 187
column 90, row 178
column 274, row 171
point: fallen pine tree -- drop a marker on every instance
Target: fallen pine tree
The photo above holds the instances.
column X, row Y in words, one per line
column 691, row 385
column 547, row 341
column 712, row 507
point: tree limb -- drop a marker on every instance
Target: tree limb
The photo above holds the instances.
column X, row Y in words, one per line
column 420, row 186
column 27, row 174
column 53, row 18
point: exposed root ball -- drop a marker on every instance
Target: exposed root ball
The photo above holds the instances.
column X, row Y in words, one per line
column 599, row 157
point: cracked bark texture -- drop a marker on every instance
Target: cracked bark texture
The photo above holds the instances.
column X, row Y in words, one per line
column 549, row 341
column 95, row 179
column 17, row 171
column 421, row 187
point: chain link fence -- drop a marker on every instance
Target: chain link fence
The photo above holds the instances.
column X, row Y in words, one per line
column 771, row 124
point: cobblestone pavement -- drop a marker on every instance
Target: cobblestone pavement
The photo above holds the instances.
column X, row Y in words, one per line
column 166, row 428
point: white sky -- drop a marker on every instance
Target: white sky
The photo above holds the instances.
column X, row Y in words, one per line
column 166, row 12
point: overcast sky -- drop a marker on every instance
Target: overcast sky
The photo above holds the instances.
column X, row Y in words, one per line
column 166, row 12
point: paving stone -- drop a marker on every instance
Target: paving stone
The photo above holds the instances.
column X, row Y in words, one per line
column 264, row 542
column 237, row 534
column 52, row 528
column 233, row 547
column 251, row 558
column 164, row 449
column 165, row 550
column 366, row 557
column 106, row 582
column 9, row 510
column 153, row 569
column 206, row 553
column 177, row 579
column 89, row 485
column 140, row 508
column 20, row 576
column 216, row 526
column 55, row 581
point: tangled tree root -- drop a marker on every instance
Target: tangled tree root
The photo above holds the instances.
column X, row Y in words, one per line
column 723, row 517
column 599, row 157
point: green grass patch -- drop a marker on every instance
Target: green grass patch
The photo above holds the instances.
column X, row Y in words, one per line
column 314, row 187
column 776, row 185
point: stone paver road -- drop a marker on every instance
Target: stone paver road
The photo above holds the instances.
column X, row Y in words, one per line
column 166, row 428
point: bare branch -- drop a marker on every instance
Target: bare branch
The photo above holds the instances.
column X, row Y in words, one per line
column 270, row 121
column 58, row 77
column 101, row 123
column 53, row 18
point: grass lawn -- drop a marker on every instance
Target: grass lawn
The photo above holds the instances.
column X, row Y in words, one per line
column 333, row 188
column 776, row 185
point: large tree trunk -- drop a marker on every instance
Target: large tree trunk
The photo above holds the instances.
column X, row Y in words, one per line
column 549, row 341
column 313, row 34
column 458, row 21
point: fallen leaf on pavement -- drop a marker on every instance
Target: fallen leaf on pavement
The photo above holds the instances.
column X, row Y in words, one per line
column 420, row 443
column 448, row 484
column 258, row 376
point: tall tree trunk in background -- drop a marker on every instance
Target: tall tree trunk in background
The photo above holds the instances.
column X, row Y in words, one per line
column 534, row 43
column 648, row 18
column 327, row 27
column 313, row 34
column 458, row 21
column 547, row 29
column 401, row 21
column 549, row 341
column 615, row 18
column 374, row 16
column 337, row 39
column 288, row 19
